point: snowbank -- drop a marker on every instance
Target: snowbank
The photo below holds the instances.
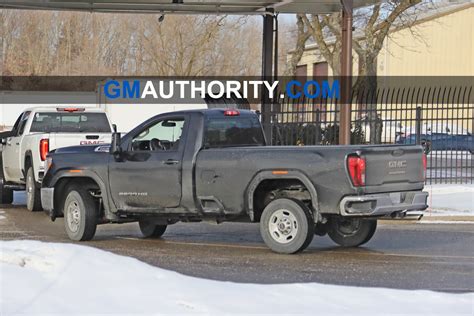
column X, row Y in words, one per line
column 451, row 199
column 48, row 278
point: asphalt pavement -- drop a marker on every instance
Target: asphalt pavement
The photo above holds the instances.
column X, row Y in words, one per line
column 404, row 255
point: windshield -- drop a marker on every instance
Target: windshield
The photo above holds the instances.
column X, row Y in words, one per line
column 70, row 123
column 233, row 131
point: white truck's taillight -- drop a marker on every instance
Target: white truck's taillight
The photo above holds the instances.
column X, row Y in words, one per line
column 44, row 148
column 356, row 166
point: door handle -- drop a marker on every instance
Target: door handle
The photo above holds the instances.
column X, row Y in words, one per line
column 171, row 162
column 9, row 142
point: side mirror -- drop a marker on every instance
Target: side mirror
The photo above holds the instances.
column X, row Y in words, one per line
column 115, row 148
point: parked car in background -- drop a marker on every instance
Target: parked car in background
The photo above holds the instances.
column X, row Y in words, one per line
column 38, row 131
column 441, row 141
column 440, row 137
column 391, row 130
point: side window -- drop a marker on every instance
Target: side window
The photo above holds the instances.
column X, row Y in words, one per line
column 17, row 123
column 161, row 136
column 24, row 119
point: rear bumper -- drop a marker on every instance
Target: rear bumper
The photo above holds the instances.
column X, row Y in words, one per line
column 383, row 204
column 47, row 199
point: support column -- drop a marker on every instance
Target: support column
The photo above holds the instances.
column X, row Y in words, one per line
column 346, row 73
column 267, row 71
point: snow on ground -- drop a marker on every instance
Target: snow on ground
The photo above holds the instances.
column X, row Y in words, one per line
column 19, row 198
column 64, row 279
column 450, row 199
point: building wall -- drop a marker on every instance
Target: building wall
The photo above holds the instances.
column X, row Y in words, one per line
column 446, row 48
column 443, row 46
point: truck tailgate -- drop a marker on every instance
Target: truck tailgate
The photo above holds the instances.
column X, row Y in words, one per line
column 393, row 166
column 59, row 140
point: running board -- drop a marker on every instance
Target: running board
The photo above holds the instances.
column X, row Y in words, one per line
column 15, row 187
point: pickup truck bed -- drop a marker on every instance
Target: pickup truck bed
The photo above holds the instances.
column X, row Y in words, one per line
column 214, row 164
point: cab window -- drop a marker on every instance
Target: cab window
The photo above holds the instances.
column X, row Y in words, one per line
column 21, row 126
column 164, row 135
column 14, row 130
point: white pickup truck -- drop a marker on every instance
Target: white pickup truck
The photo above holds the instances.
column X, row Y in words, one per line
column 38, row 131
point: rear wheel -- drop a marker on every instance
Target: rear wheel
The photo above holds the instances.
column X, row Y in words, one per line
column 80, row 213
column 287, row 226
column 33, row 197
column 351, row 232
column 6, row 195
column 151, row 230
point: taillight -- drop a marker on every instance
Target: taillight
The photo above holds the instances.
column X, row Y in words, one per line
column 425, row 165
column 231, row 113
column 70, row 110
column 356, row 166
column 44, row 148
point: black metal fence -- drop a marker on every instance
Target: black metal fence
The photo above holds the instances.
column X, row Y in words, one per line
column 441, row 119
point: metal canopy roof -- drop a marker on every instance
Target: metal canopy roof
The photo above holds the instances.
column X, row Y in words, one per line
column 185, row 6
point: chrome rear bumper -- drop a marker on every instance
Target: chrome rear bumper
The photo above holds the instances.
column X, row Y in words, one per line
column 383, row 204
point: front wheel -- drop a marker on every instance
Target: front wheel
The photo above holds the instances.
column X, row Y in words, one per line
column 80, row 214
column 6, row 195
column 287, row 226
column 33, row 197
column 351, row 232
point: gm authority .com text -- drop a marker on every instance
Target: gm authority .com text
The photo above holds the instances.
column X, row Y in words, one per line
column 216, row 89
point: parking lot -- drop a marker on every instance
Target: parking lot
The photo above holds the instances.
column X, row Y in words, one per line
column 435, row 256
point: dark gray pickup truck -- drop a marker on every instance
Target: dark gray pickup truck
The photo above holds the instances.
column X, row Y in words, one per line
column 214, row 165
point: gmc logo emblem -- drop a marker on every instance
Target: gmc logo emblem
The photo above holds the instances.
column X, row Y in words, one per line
column 397, row 164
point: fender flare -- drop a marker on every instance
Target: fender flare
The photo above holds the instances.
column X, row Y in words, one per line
column 268, row 175
column 86, row 174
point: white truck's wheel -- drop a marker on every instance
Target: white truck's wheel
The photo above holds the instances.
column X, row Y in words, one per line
column 287, row 226
column 351, row 232
column 151, row 230
column 80, row 214
column 33, row 197
column 6, row 195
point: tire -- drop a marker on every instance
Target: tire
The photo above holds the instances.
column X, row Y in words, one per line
column 80, row 214
column 6, row 195
column 33, row 194
column 287, row 226
column 151, row 230
column 351, row 232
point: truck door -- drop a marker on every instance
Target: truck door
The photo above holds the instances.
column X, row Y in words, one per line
column 149, row 174
column 12, row 161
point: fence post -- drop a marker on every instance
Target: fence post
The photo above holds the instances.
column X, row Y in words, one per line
column 418, row 118
column 318, row 127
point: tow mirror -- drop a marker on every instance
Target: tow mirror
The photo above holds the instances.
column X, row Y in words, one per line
column 115, row 148
column 168, row 124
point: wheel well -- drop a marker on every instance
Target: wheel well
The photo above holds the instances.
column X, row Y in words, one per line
column 271, row 189
column 28, row 162
column 63, row 184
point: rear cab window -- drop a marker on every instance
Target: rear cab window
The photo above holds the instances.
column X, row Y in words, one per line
column 77, row 122
column 233, row 131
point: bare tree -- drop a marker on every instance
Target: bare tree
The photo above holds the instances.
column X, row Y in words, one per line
column 79, row 43
column 372, row 29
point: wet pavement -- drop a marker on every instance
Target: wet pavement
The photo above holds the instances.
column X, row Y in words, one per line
column 401, row 255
